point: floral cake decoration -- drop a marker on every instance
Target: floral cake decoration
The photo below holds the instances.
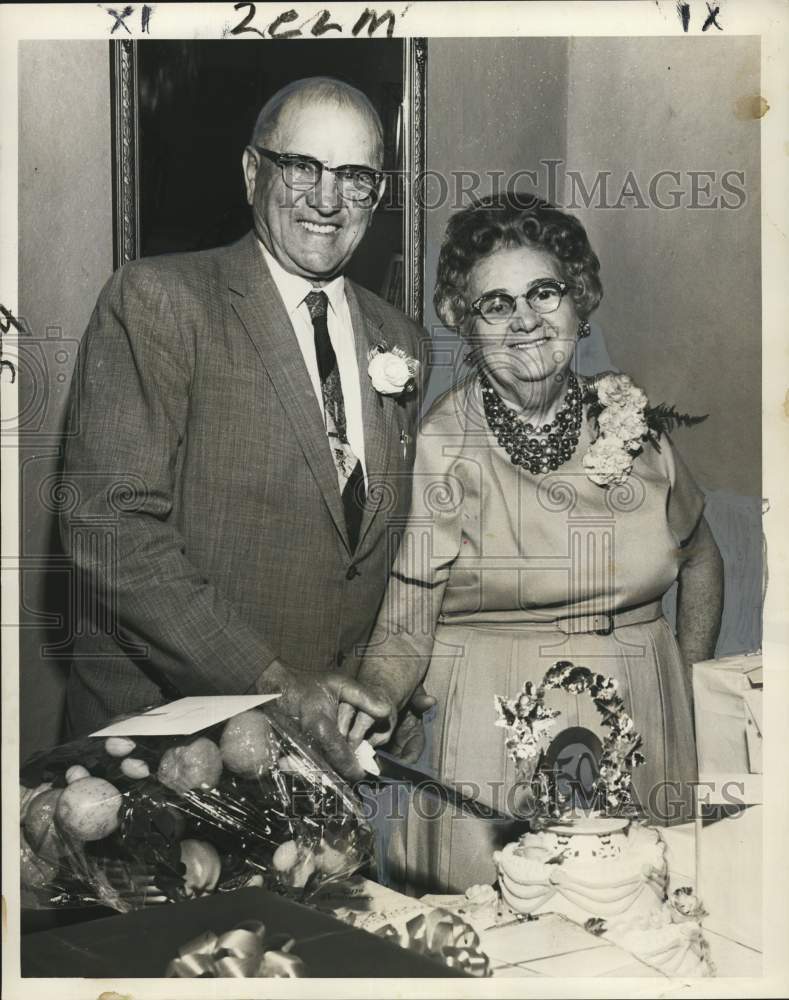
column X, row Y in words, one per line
column 529, row 722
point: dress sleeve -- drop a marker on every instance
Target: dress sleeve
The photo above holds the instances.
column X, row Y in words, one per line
column 430, row 543
column 685, row 503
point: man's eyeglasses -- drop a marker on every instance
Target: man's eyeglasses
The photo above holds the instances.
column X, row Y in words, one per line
column 303, row 173
column 498, row 307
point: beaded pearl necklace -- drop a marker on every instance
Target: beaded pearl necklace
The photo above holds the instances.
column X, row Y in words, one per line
column 536, row 449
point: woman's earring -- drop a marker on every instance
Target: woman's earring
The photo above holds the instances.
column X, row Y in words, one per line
column 584, row 328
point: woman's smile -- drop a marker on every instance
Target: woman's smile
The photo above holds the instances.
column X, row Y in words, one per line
column 528, row 351
column 525, row 345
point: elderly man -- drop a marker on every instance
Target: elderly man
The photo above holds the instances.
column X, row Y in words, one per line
column 229, row 449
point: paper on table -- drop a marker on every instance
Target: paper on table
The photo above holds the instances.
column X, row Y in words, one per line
column 601, row 962
column 186, row 716
column 523, row 942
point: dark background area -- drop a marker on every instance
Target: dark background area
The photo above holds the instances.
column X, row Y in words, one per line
column 198, row 103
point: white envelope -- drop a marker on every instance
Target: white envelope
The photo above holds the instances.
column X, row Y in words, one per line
column 185, row 716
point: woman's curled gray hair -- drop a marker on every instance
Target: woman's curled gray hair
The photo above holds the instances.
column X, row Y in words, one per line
column 504, row 221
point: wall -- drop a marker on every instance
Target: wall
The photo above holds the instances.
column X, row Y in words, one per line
column 492, row 105
column 682, row 309
column 65, row 256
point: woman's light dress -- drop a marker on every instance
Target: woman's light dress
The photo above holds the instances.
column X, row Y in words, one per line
column 491, row 557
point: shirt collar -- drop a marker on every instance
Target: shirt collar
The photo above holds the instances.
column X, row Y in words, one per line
column 294, row 289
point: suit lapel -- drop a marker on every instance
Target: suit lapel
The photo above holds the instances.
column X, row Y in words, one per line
column 377, row 410
column 258, row 305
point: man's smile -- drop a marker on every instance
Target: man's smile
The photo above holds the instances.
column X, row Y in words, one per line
column 320, row 228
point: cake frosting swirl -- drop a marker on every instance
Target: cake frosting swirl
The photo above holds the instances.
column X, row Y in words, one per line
column 582, row 875
column 614, row 883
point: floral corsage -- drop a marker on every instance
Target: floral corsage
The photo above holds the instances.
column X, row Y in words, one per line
column 625, row 421
column 391, row 370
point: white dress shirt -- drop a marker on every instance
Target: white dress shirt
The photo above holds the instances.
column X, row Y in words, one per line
column 294, row 290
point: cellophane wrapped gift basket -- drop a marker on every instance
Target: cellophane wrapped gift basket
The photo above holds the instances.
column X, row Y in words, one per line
column 188, row 799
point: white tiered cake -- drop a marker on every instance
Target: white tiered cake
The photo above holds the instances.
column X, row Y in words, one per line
column 582, row 872
column 612, row 881
column 606, row 872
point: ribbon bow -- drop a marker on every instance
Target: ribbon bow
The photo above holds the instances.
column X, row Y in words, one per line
column 243, row 952
column 442, row 935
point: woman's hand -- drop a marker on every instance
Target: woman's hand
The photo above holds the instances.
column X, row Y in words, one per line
column 406, row 731
column 408, row 739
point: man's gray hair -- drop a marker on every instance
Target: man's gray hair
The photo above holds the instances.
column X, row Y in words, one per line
column 318, row 90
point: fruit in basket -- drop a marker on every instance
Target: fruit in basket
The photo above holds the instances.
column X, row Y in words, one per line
column 195, row 765
column 299, row 876
column 119, row 746
column 203, row 867
column 294, row 862
column 75, row 772
column 132, row 767
column 285, row 856
column 39, row 826
column 34, row 872
column 26, row 796
column 248, row 744
column 88, row 809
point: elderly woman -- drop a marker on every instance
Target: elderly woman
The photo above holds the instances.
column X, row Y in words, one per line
column 545, row 526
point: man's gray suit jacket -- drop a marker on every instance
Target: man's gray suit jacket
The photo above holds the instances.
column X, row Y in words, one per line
column 201, row 507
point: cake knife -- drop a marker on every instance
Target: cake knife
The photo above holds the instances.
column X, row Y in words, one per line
column 394, row 771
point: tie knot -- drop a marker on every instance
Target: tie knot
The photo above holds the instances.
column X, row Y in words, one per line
column 317, row 303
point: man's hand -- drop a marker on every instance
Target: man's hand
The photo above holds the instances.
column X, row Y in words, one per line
column 312, row 700
column 407, row 737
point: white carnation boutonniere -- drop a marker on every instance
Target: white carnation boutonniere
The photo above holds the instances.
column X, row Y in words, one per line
column 625, row 422
column 392, row 371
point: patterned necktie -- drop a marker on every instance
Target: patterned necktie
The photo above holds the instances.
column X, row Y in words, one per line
column 350, row 477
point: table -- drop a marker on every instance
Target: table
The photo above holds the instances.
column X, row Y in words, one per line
column 553, row 946
column 516, row 948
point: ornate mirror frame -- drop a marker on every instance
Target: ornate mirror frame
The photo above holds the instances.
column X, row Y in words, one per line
column 124, row 84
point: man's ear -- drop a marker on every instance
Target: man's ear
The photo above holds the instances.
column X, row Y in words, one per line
column 249, row 163
column 381, row 191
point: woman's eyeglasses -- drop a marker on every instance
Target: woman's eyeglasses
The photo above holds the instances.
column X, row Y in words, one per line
column 544, row 297
column 303, row 173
